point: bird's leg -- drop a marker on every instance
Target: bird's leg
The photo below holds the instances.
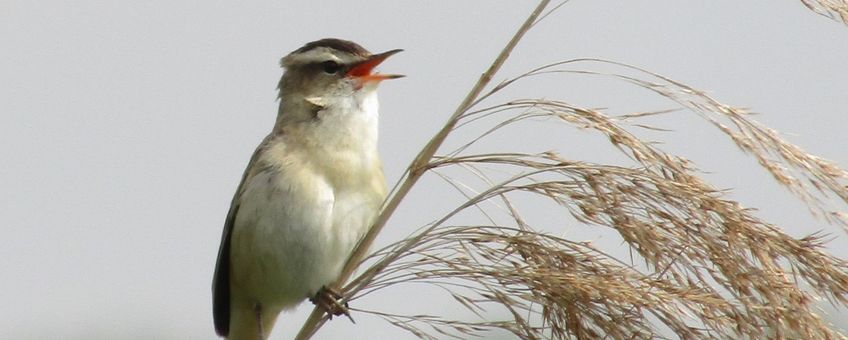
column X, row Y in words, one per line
column 258, row 310
column 328, row 299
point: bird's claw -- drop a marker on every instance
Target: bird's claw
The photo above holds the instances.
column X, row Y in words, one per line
column 328, row 300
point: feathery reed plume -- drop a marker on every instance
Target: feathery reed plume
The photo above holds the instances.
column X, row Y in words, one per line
column 712, row 269
column 834, row 9
column 811, row 178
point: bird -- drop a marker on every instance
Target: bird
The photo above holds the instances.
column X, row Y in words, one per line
column 310, row 191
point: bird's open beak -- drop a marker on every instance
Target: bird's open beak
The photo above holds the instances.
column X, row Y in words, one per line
column 362, row 70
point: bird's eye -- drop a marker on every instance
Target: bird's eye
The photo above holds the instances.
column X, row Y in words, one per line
column 331, row 67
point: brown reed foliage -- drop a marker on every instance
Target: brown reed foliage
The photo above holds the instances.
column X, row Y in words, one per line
column 712, row 269
column 834, row 9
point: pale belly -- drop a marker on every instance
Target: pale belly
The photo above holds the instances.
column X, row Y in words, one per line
column 290, row 240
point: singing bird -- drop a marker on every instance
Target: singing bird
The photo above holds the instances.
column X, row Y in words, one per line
column 309, row 193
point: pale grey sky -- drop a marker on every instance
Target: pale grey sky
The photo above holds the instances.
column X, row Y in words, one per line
column 125, row 127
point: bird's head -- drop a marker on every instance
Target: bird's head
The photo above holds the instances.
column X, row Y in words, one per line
column 329, row 68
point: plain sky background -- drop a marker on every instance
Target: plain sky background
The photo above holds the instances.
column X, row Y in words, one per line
column 125, row 127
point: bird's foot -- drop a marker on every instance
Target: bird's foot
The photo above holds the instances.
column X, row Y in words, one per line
column 328, row 299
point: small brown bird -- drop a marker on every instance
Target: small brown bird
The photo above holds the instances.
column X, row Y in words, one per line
column 310, row 191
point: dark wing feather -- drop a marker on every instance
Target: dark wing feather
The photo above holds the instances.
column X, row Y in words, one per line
column 221, row 279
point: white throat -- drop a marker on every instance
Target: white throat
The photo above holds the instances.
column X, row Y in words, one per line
column 340, row 138
column 348, row 122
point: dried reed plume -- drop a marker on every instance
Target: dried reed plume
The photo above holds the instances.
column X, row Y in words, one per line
column 834, row 9
column 712, row 269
